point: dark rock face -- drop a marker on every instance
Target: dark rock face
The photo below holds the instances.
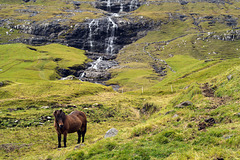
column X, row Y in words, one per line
column 106, row 35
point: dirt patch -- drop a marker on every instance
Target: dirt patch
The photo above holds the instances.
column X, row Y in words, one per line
column 207, row 123
column 10, row 147
column 215, row 102
column 207, row 91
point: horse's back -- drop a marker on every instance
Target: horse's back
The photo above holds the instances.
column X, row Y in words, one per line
column 81, row 115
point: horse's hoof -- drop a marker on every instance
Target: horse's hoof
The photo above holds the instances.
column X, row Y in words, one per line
column 59, row 146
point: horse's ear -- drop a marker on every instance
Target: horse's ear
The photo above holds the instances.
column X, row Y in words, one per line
column 54, row 113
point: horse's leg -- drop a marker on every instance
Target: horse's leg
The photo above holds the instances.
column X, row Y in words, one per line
column 59, row 140
column 65, row 139
column 79, row 136
column 83, row 135
column 84, row 130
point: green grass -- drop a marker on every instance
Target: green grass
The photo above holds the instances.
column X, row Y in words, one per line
column 21, row 63
column 144, row 110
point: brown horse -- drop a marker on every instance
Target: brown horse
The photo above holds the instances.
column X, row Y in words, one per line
column 74, row 122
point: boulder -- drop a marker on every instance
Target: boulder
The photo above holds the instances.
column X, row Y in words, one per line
column 111, row 133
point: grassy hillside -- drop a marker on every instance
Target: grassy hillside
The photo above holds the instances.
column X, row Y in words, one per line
column 195, row 68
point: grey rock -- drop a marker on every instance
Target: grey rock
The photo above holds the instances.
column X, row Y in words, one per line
column 168, row 112
column 175, row 115
column 229, row 77
column 111, row 133
column 184, row 104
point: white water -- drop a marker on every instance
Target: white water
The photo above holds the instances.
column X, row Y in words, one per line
column 112, row 26
column 133, row 5
column 121, row 8
column 109, row 5
column 92, row 25
column 95, row 64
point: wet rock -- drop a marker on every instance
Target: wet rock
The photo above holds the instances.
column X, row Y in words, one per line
column 111, row 133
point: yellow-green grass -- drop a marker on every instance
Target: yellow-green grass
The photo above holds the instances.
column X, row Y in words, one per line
column 134, row 77
column 21, row 63
column 48, row 10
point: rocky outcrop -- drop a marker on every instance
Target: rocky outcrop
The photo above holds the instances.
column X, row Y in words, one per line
column 108, row 34
column 231, row 35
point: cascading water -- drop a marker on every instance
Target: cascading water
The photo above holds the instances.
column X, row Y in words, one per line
column 95, row 65
column 112, row 27
column 133, row 5
column 102, row 34
column 102, row 38
column 92, row 26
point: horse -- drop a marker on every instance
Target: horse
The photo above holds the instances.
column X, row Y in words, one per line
column 74, row 122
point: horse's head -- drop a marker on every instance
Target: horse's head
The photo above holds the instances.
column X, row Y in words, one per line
column 59, row 117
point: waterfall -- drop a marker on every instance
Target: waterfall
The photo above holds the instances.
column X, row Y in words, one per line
column 109, row 5
column 121, row 8
column 133, row 5
column 81, row 76
column 112, row 26
column 95, row 64
column 92, row 25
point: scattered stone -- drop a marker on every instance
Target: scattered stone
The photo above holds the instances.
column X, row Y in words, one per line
column 175, row 115
column 202, row 126
column 45, row 107
column 77, row 146
column 210, row 121
column 184, row 104
column 71, row 77
column 168, row 112
column 15, row 109
column 227, row 136
column 237, row 114
column 229, row 77
column 208, row 60
column 111, row 133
